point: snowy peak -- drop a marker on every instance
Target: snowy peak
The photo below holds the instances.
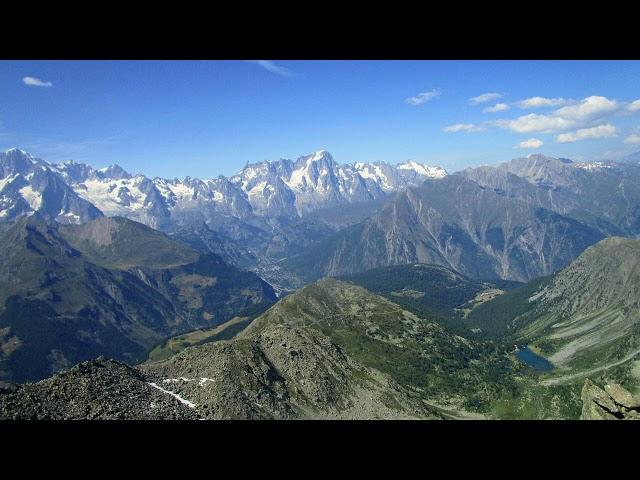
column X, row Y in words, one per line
column 268, row 189
column 422, row 169
column 114, row 171
column 17, row 151
column 16, row 161
column 321, row 156
column 29, row 185
column 316, row 180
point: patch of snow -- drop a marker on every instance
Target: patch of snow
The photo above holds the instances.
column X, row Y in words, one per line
column 7, row 180
column 104, row 195
column 201, row 381
column 175, row 395
column 297, row 179
column 258, row 189
column 182, row 191
column 181, row 379
column 590, row 166
column 71, row 216
column 33, row 198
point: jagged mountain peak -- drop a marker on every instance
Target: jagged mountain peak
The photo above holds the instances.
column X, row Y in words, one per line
column 272, row 189
column 423, row 169
column 29, row 185
column 17, row 151
column 115, row 171
column 316, row 157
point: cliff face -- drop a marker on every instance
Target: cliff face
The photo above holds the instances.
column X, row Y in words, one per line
column 612, row 403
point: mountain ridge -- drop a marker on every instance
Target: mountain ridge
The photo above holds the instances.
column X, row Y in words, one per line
column 66, row 296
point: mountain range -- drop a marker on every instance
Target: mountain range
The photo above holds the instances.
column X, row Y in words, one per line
column 520, row 220
column 493, row 292
column 296, row 221
column 284, row 188
column 253, row 219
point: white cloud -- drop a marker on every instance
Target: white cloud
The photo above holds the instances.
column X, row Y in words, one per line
column 536, row 123
column 498, row 107
column 485, row 97
column 582, row 114
column 271, row 66
column 634, row 106
column 531, row 143
column 590, row 108
column 36, row 82
column 632, row 139
column 423, row 97
column 537, row 102
column 601, row 131
column 462, row 127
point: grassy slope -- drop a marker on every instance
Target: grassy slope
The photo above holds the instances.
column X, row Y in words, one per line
column 415, row 352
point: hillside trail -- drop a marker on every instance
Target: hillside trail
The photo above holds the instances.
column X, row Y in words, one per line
column 584, row 373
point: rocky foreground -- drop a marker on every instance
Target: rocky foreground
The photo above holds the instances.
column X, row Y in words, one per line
column 612, row 403
column 100, row 389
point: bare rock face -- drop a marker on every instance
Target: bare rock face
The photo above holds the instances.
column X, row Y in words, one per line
column 622, row 396
column 612, row 403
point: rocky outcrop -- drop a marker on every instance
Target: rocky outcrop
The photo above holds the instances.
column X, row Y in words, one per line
column 612, row 403
column 100, row 389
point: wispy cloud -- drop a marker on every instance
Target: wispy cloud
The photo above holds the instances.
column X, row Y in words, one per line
column 601, row 131
column 531, row 143
column 484, row 98
column 462, row 127
column 36, row 82
column 271, row 66
column 632, row 139
column 423, row 97
column 498, row 107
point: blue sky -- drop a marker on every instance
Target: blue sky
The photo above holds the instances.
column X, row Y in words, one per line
column 205, row 118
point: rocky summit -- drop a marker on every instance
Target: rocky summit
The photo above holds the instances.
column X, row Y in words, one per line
column 100, row 389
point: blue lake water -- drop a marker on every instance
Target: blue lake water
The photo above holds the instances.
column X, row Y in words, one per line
column 534, row 360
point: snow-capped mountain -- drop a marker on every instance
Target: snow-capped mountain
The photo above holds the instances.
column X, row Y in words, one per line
column 289, row 188
column 75, row 192
column 155, row 202
column 29, row 185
